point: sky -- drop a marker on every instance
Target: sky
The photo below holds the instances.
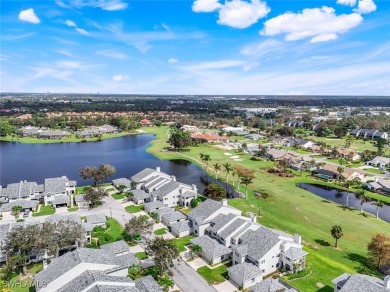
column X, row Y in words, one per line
column 246, row 47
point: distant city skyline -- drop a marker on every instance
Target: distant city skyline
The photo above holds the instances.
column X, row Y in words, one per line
column 339, row 47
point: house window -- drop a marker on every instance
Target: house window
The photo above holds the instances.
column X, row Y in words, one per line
column 263, row 261
column 263, row 271
column 237, row 254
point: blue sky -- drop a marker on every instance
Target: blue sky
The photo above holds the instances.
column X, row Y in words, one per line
column 339, row 47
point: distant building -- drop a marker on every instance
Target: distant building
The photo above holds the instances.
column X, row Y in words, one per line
column 370, row 134
column 294, row 123
column 379, row 161
column 146, row 123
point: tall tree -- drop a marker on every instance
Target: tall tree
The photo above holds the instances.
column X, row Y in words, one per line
column 163, row 251
column 207, row 160
column 97, row 174
column 337, row 233
column 180, row 139
column 6, row 128
column 362, row 197
column 217, row 167
column 228, row 168
column 195, row 249
column 340, row 170
column 380, row 145
column 214, row 192
column 246, row 180
column 95, row 195
column 138, row 225
column 378, row 204
column 379, row 250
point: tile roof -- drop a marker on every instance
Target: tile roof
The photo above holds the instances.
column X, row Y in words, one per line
column 116, row 247
column 181, row 226
column 244, row 272
column 212, row 248
column 295, row 253
column 272, row 285
column 140, row 176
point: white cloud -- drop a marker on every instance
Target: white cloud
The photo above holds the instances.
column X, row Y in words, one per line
column 108, row 5
column 70, row 23
column 68, row 64
column 29, row 15
column 112, row 5
column 66, row 53
column 214, row 65
column 319, row 24
column 173, row 61
column 120, row 77
column 347, row 2
column 82, row 31
column 113, row 54
column 205, row 5
column 242, row 14
column 365, row 6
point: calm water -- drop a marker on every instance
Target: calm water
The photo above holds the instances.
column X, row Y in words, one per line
column 35, row 162
column 338, row 197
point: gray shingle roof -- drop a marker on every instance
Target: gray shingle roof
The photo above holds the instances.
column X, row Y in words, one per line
column 116, row 247
column 244, row 272
column 181, row 226
column 205, row 210
column 211, row 247
column 89, row 278
column 67, row 262
column 140, row 176
column 4, row 230
column 258, row 242
column 79, row 198
column 147, row 284
column 166, row 189
column 25, row 204
column 22, row 189
column 61, row 199
column 57, row 217
column 153, row 205
column 160, row 212
column 295, row 253
column 272, row 285
column 140, row 195
column 359, row 282
column 232, row 227
column 220, row 221
column 122, row 181
column 96, row 218
column 55, row 185
column 173, row 216
column 87, row 226
column 188, row 194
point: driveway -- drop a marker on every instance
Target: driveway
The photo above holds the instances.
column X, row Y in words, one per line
column 189, row 280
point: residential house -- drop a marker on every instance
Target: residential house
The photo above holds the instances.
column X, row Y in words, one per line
column 89, row 270
column 96, row 220
column 348, row 154
column 276, row 140
column 279, row 154
column 180, row 229
column 117, row 248
column 359, row 282
column 58, row 191
column 146, row 123
column 330, row 171
column 370, row 134
column 140, row 196
column 53, row 134
column 255, row 137
column 26, row 205
column 94, row 131
column 208, row 138
column 192, row 129
column 379, row 161
column 153, row 206
column 297, row 142
column 81, row 202
column 294, row 123
column 30, row 131
column 173, row 217
column 255, row 250
column 122, row 182
column 272, row 285
column 380, row 185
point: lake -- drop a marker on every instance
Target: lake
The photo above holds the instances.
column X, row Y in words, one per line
column 340, row 197
column 35, row 162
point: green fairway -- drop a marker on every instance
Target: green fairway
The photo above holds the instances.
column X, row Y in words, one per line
column 295, row 210
column 214, row 276
column 358, row 144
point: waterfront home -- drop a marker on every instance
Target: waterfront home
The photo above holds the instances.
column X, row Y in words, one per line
column 122, row 182
column 164, row 188
column 359, row 282
column 140, row 196
column 55, row 191
column 255, row 250
column 370, row 134
column 87, row 269
column 380, row 185
column 330, row 172
column 53, row 134
column 30, row 131
column 379, row 161
column 96, row 131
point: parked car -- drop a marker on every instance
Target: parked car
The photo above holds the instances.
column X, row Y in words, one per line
column 26, row 213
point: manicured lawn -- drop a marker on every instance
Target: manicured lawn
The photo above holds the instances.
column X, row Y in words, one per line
column 141, row 255
column 72, row 138
column 358, row 144
column 373, row 170
column 45, row 210
column 214, row 276
column 351, row 165
column 73, row 209
column 115, row 230
column 160, row 231
column 82, row 190
column 27, row 284
column 110, row 189
column 295, row 210
column 134, row 208
column 118, row 196
column 182, row 242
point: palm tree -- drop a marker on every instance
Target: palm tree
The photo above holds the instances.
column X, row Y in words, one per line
column 228, row 168
column 336, row 232
column 246, row 180
column 239, row 176
column 347, row 184
column 378, row 204
column 207, row 159
column 233, row 175
column 217, row 167
column 340, row 170
column 201, row 155
column 360, row 195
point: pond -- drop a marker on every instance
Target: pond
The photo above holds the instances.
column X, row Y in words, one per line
column 35, row 162
column 341, row 197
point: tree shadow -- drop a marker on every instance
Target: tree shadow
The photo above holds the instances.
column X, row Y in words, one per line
column 325, row 201
column 326, row 288
column 322, row 242
column 364, row 265
column 346, row 208
column 364, row 214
